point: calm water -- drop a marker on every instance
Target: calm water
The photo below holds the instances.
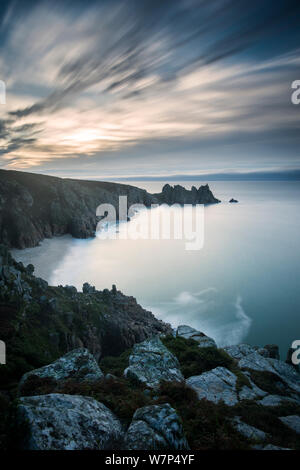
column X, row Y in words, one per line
column 242, row 286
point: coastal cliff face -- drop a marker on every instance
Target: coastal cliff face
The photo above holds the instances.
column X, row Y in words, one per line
column 131, row 381
column 34, row 207
column 39, row 322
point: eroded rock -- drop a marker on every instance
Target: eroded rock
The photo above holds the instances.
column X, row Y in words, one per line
column 250, row 432
column 216, row 385
column 155, row 427
column 79, row 365
column 293, row 422
column 188, row 332
column 151, row 362
column 68, row 422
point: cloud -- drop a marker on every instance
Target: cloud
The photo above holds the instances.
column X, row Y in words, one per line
column 101, row 79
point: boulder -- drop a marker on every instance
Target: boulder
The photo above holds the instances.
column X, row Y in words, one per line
column 293, row 422
column 251, row 393
column 188, row 332
column 276, row 400
column 151, row 362
column 239, row 351
column 78, row 364
column 216, row 385
column 156, row 427
column 250, row 432
column 288, row 373
column 285, row 371
column 265, row 359
column 68, row 422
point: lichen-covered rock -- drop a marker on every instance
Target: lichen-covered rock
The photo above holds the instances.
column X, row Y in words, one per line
column 68, row 422
column 238, row 351
column 155, row 427
column 151, row 362
column 251, row 393
column 268, row 447
column 188, row 332
column 293, row 422
column 250, row 432
column 288, row 373
column 275, row 400
column 271, row 350
column 216, row 385
column 285, row 371
column 78, row 364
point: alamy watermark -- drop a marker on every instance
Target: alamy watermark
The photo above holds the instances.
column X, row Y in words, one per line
column 2, row 92
column 295, row 98
column 296, row 354
column 2, row 353
column 177, row 222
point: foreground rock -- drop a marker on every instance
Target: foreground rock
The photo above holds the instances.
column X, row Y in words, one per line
column 220, row 384
column 68, row 422
column 188, row 332
column 156, row 427
column 40, row 323
column 215, row 385
column 250, row 432
column 293, row 422
column 78, row 365
column 250, row 358
column 151, row 362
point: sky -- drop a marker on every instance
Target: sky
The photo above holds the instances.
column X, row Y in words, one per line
column 134, row 89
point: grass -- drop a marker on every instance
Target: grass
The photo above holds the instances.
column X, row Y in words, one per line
column 115, row 364
column 194, row 360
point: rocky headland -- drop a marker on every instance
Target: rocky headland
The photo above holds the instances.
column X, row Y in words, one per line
column 34, row 207
column 94, row 370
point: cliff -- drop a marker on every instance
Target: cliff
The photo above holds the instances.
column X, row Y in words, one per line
column 129, row 380
column 34, row 207
column 39, row 322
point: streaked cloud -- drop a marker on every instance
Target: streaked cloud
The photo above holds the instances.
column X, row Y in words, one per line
column 106, row 85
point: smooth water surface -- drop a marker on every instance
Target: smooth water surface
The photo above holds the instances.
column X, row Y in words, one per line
column 242, row 286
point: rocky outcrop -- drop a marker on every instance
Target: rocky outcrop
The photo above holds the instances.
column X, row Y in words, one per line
column 156, row 427
column 248, row 431
column 242, row 401
column 77, row 365
column 276, row 400
column 151, row 362
column 179, row 195
column 188, row 332
column 239, row 351
column 34, row 207
column 292, row 422
column 285, row 371
column 216, row 385
column 270, row 350
column 40, row 323
column 68, row 422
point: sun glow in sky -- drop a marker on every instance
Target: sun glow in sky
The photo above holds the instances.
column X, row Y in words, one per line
column 125, row 88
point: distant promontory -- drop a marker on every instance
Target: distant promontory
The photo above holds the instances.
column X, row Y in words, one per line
column 34, row 206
